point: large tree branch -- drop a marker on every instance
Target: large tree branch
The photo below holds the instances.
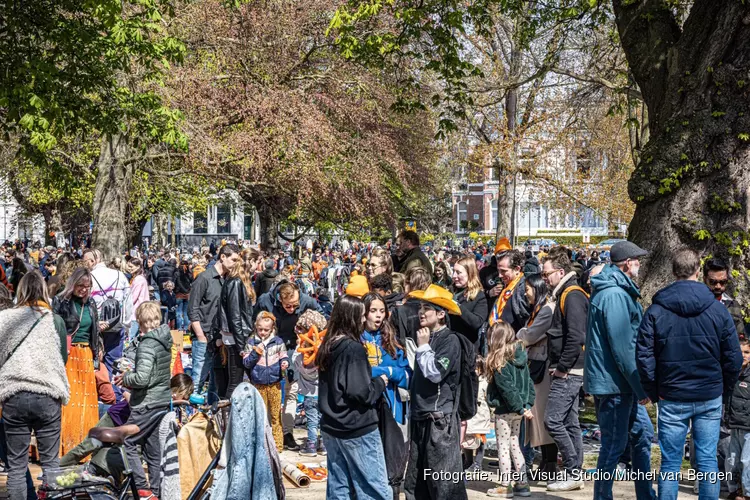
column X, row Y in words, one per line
column 598, row 80
column 648, row 33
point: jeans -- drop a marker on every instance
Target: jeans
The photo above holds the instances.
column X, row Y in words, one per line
column 182, row 315
column 313, row 418
column 199, row 358
column 112, row 350
column 561, row 420
column 134, row 329
column 738, row 458
column 356, row 468
column 30, row 490
column 674, row 419
column 22, row 413
column 228, row 376
column 621, row 423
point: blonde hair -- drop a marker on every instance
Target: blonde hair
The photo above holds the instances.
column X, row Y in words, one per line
column 385, row 256
column 148, row 316
column 473, row 286
column 266, row 316
column 398, row 282
column 501, row 347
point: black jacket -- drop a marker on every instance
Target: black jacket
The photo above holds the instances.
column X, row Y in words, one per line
column 567, row 334
column 532, row 266
column 183, row 281
column 348, row 392
column 473, row 315
column 428, row 396
column 67, row 311
column 405, row 319
column 235, row 312
column 264, row 281
column 203, row 305
column 738, row 415
column 687, row 347
column 489, row 277
column 166, row 273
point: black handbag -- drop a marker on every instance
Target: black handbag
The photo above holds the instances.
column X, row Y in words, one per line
column 537, row 368
column 394, row 447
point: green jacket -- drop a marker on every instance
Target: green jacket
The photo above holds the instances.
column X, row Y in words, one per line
column 149, row 381
column 511, row 389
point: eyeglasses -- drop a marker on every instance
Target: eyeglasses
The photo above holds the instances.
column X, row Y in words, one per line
column 547, row 274
column 717, row 282
column 370, row 265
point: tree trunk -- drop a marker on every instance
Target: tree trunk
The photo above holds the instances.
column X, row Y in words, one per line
column 507, row 200
column 113, row 184
column 269, row 229
column 692, row 184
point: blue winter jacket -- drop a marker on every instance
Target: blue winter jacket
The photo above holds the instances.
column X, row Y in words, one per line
column 687, row 347
column 397, row 370
column 613, row 321
column 266, row 369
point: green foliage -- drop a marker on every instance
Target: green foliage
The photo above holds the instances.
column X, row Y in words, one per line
column 71, row 66
column 719, row 204
column 430, row 34
column 672, row 182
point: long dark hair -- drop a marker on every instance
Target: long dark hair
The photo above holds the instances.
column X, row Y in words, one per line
column 388, row 333
column 537, row 283
column 345, row 322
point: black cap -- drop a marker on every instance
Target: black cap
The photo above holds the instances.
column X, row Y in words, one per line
column 624, row 250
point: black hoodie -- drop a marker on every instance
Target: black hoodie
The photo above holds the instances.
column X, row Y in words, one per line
column 348, row 392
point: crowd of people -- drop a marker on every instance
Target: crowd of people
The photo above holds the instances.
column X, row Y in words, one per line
column 404, row 358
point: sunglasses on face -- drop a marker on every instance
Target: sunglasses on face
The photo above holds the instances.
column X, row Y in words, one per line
column 717, row 282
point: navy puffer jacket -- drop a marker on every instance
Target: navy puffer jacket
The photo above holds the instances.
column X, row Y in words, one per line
column 687, row 348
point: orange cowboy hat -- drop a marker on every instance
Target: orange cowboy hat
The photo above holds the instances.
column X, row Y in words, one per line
column 438, row 296
column 503, row 245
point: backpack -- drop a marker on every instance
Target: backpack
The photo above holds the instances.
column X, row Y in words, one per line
column 565, row 294
column 111, row 309
column 468, row 381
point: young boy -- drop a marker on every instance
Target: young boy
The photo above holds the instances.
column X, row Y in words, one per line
column 738, row 421
column 268, row 361
column 435, row 429
column 150, row 394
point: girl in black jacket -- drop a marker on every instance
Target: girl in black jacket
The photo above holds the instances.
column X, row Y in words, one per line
column 468, row 293
column 347, row 397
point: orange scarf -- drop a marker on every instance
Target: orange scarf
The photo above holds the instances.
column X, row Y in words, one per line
column 502, row 300
column 41, row 303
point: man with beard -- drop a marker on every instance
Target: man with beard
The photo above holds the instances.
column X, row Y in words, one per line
column 716, row 276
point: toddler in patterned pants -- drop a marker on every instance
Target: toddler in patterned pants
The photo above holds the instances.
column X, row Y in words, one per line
column 511, row 393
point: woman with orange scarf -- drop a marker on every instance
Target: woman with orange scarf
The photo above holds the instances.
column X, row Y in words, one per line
column 78, row 310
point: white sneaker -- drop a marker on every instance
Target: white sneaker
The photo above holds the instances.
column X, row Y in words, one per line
column 567, row 485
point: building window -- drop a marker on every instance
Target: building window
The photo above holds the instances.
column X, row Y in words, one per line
column 248, row 224
column 492, row 173
column 461, row 213
column 223, row 219
column 493, row 214
column 200, row 223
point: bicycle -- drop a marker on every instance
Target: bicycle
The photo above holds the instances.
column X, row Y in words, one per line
column 94, row 487
column 100, row 488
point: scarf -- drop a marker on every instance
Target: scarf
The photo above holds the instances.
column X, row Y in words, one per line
column 503, row 298
column 42, row 304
